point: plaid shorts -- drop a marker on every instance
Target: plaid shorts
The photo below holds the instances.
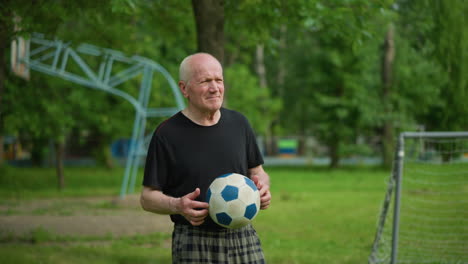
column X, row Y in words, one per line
column 226, row 246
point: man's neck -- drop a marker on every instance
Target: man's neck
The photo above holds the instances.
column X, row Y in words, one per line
column 202, row 118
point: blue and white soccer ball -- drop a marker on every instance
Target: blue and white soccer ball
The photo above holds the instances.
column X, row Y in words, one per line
column 234, row 200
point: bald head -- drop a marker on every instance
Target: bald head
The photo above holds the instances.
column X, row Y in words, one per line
column 192, row 62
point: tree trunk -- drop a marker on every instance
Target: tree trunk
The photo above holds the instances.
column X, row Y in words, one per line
column 388, row 145
column 260, row 65
column 209, row 20
column 59, row 157
column 108, row 157
column 388, row 140
column 334, row 152
column 2, row 153
column 104, row 154
column 261, row 72
column 281, row 63
column 4, row 41
column 101, row 151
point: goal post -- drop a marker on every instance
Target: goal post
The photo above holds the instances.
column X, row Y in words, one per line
column 424, row 216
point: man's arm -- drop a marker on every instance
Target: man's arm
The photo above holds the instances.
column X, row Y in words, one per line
column 153, row 200
column 262, row 180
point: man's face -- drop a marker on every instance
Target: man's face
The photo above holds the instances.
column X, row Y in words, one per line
column 205, row 89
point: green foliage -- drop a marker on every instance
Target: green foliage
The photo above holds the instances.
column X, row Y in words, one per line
column 325, row 95
column 322, row 60
column 418, row 82
column 123, row 6
column 450, row 35
column 65, row 109
column 245, row 96
column 438, row 30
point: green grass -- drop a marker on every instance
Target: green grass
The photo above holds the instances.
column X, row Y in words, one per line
column 43, row 247
column 317, row 216
column 321, row 216
column 33, row 183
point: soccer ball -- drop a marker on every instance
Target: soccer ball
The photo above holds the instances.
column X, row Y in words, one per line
column 234, row 200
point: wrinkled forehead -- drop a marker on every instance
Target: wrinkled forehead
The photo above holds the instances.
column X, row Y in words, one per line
column 208, row 67
column 203, row 62
column 198, row 64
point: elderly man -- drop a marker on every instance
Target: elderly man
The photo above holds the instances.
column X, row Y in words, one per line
column 187, row 152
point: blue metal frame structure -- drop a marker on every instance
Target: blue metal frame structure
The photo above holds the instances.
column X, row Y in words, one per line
column 53, row 56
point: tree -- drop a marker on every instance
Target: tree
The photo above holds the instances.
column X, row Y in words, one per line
column 255, row 35
column 325, row 91
column 19, row 18
column 57, row 105
column 450, row 37
column 5, row 17
column 388, row 135
column 438, row 29
column 209, row 18
column 319, row 62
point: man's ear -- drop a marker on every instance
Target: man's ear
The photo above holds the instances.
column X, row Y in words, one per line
column 183, row 88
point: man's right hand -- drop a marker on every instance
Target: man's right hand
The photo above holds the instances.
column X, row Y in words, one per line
column 194, row 211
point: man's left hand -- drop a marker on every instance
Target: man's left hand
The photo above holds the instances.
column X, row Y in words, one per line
column 264, row 189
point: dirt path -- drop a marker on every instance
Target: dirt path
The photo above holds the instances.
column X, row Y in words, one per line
column 96, row 216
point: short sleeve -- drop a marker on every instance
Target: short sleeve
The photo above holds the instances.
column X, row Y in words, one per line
column 156, row 167
column 254, row 156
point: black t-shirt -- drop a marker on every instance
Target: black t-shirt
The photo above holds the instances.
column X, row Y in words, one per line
column 183, row 155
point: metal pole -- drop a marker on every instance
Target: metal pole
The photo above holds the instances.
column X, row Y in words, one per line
column 104, row 79
column 129, row 163
column 144, row 100
column 373, row 258
column 398, row 182
column 435, row 134
column 136, row 155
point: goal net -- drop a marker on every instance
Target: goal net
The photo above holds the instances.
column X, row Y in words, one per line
column 424, row 217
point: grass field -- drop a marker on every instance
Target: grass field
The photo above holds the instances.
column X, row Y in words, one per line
column 317, row 216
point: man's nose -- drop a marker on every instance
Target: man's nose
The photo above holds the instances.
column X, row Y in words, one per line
column 213, row 86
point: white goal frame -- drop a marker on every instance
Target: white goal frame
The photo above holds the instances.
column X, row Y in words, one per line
column 394, row 191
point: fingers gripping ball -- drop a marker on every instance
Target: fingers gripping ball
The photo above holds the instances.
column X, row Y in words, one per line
column 234, row 200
